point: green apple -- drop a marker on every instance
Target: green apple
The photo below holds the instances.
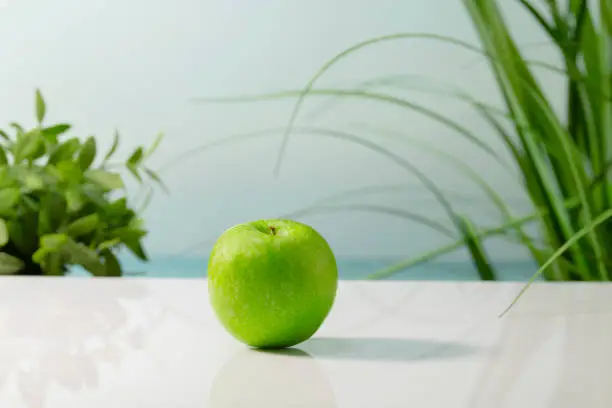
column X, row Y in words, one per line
column 272, row 283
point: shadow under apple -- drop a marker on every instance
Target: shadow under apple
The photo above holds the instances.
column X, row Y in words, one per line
column 385, row 349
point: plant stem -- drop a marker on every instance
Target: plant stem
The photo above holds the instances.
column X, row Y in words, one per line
column 429, row 256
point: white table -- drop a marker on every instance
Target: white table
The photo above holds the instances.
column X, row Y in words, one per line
column 130, row 343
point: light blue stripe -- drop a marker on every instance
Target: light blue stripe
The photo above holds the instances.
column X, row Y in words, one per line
column 349, row 269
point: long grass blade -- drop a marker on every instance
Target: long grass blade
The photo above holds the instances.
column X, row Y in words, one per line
column 518, row 88
column 412, row 169
column 485, row 233
column 605, row 84
column 578, row 180
column 456, row 196
column 379, row 209
column 393, row 157
column 351, row 50
column 344, row 54
column 380, row 97
column 416, row 83
column 477, row 251
column 446, row 157
column 447, row 249
column 540, row 18
column 487, row 113
column 474, row 176
column 581, row 233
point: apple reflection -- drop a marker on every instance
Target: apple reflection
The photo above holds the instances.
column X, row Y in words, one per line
column 272, row 379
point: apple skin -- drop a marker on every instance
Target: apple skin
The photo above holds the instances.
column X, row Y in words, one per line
column 272, row 283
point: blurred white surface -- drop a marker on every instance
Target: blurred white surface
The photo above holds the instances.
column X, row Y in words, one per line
column 155, row 343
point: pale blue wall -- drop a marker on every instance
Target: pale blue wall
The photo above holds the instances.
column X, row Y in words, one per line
column 135, row 64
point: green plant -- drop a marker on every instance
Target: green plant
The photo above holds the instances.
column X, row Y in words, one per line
column 59, row 206
column 563, row 159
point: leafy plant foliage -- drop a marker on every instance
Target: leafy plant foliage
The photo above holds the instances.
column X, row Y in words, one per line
column 564, row 160
column 60, row 207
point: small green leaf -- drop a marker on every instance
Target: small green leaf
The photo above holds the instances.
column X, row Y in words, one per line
column 9, row 264
column 30, row 203
column 33, row 181
column 4, row 135
column 23, row 233
column 111, row 264
column 44, row 222
column 41, row 150
column 50, row 134
column 74, row 200
column 135, row 157
column 39, row 255
column 83, row 225
column 65, row 151
column 138, row 225
column 156, row 178
column 18, row 128
column 119, row 205
column 106, row 179
column 131, row 238
column 88, row 153
column 40, row 107
column 80, row 254
column 53, row 265
column 113, row 147
column 70, row 172
column 134, row 172
column 8, row 200
column 154, row 146
column 4, row 235
column 3, row 159
column 136, row 247
column 29, row 147
column 52, row 213
column 56, row 130
column 96, row 194
column 53, row 172
column 53, row 242
column 111, row 243
column 6, row 178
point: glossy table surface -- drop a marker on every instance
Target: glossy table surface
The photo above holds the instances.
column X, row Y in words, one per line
column 70, row 342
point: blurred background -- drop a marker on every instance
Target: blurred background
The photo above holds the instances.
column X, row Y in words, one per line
column 143, row 67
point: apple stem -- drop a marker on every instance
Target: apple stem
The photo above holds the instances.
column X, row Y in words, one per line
column 273, row 229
